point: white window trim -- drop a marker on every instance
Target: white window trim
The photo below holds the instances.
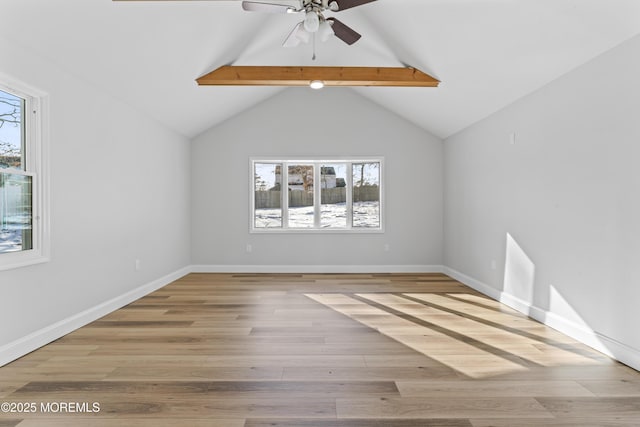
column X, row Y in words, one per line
column 37, row 148
column 316, row 161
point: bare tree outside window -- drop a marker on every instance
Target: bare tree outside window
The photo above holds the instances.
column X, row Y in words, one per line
column 11, row 108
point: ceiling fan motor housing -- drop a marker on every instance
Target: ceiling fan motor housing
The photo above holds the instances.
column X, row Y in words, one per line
column 320, row 5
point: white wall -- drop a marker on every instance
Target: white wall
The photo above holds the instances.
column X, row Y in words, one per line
column 567, row 194
column 120, row 191
column 328, row 123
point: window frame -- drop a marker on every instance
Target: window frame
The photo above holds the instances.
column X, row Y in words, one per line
column 317, row 162
column 35, row 153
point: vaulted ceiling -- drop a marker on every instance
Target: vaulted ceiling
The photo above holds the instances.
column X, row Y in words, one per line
column 487, row 53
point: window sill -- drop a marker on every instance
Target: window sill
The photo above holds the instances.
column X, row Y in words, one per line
column 11, row 261
column 316, row 231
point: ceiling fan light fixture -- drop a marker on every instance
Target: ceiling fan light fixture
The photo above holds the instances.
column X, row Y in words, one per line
column 303, row 35
column 311, row 21
column 316, row 84
column 325, row 31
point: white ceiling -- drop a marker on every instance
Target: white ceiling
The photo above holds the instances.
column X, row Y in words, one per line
column 487, row 53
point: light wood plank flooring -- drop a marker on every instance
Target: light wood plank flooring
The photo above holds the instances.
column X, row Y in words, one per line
column 320, row 351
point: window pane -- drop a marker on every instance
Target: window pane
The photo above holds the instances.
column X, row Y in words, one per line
column 301, row 212
column 15, row 213
column 347, row 195
column 366, row 195
column 11, row 131
column 268, row 201
column 333, row 212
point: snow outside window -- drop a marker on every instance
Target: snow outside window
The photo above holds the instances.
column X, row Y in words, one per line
column 316, row 195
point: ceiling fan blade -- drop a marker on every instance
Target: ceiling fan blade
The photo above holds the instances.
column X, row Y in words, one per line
column 254, row 6
column 348, row 4
column 344, row 32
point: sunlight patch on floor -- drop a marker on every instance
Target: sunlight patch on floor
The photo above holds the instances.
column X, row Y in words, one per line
column 476, row 338
column 501, row 332
column 463, row 357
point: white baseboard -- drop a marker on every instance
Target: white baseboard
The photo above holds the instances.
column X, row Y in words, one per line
column 602, row 343
column 18, row 348
column 316, row 269
column 37, row 339
column 620, row 351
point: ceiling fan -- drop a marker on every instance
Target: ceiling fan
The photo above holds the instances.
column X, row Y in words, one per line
column 314, row 23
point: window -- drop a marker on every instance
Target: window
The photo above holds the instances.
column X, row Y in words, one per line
column 22, row 234
column 348, row 196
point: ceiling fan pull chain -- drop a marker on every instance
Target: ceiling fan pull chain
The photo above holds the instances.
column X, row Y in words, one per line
column 313, row 58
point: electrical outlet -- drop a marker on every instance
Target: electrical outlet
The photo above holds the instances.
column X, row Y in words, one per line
column 494, row 264
column 138, row 265
column 249, row 248
column 387, row 248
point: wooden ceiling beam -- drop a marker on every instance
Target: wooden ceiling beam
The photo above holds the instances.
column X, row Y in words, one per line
column 232, row 75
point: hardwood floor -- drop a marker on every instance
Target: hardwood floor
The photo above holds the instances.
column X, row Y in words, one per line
column 319, row 351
